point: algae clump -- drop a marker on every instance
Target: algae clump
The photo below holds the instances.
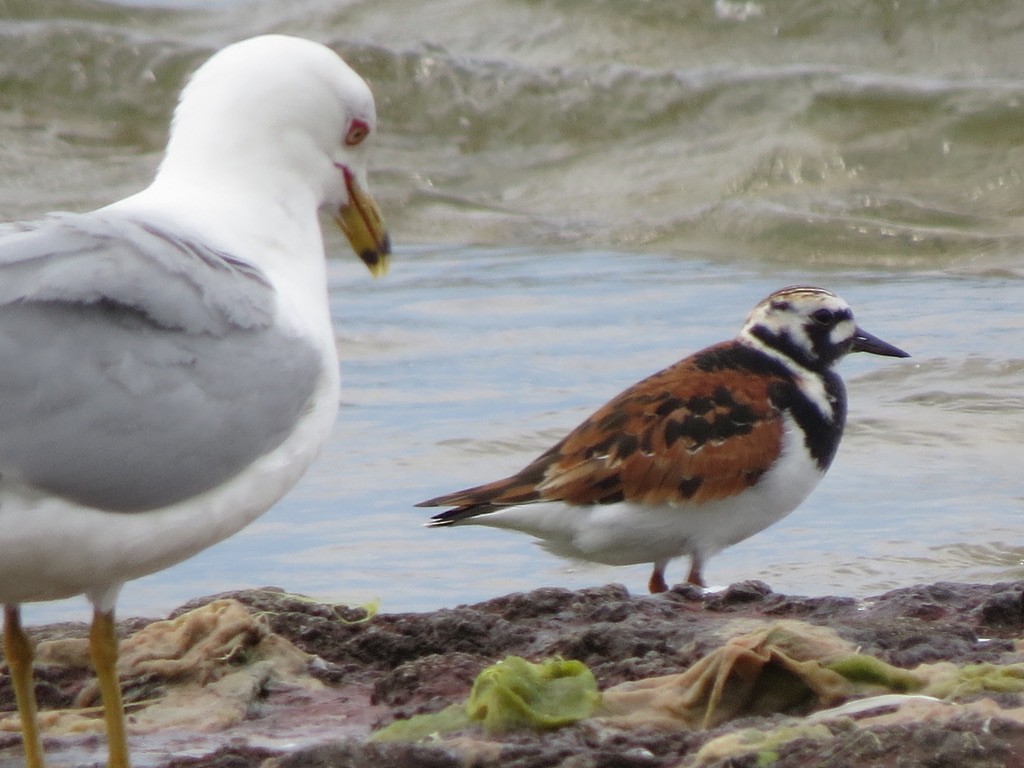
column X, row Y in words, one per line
column 509, row 695
column 419, row 727
column 867, row 670
column 515, row 693
column 974, row 679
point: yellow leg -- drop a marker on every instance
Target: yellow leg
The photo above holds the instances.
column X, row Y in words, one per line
column 18, row 651
column 103, row 647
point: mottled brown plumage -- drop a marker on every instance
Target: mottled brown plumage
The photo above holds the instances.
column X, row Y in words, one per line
column 682, row 435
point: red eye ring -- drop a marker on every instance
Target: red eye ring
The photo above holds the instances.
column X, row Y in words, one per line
column 357, row 131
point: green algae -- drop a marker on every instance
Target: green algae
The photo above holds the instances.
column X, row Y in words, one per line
column 510, row 695
column 516, row 693
column 867, row 670
column 974, row 679
column 419, row 727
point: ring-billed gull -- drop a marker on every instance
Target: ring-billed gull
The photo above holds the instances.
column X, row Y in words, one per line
column 168, row 368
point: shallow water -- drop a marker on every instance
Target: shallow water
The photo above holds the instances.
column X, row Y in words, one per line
column 580, row 197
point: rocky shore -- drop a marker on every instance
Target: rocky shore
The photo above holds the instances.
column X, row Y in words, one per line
column 929, row 675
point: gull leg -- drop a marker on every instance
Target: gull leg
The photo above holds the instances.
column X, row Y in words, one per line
column 18, row 652
column 103, row 648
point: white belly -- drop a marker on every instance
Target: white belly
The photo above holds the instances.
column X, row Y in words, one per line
column 625, row 533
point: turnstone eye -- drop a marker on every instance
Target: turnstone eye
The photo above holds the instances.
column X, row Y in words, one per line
column 695, row 458
column 823, row 316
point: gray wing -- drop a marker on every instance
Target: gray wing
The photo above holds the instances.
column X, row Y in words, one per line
column 138, row 369
column 93, row 257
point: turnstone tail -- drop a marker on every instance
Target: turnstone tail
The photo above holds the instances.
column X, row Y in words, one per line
column 698, row 456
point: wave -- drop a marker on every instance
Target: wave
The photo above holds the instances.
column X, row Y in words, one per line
column 852, row 135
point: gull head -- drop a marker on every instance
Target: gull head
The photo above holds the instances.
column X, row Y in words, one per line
column 280, row 121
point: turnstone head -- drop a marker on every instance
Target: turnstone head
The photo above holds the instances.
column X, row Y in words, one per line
column 698, row 456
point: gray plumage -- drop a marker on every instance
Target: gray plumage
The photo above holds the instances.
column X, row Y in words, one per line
column 137, row 368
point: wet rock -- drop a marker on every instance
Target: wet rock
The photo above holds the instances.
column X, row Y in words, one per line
column 965, row 742
column 434, row 679
column 353, row 754
column 1003, row 610
column 740, row 594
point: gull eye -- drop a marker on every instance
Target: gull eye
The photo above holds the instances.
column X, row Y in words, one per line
column 357, row 131
column 823, row 316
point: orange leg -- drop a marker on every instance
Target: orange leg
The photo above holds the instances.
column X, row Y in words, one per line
column 18, row 652
column 695, row 577
column 657, row 583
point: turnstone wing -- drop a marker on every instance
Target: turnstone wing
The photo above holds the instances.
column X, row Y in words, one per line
column 698, row 456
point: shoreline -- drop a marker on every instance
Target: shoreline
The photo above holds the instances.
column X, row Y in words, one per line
column 248, row 677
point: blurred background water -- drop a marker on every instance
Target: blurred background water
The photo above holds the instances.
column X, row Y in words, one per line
column 581, row 192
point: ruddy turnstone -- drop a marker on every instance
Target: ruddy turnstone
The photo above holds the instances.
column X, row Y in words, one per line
column 698, row 456
column 168, row 366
